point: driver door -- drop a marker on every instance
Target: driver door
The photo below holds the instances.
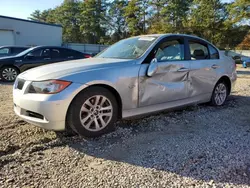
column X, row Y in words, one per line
column 169, row 82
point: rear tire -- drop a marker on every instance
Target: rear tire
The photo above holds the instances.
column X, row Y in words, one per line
column 8, row 73
column 93, row 112
column 220, row 94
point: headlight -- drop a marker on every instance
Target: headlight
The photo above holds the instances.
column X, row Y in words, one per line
column 48, row 87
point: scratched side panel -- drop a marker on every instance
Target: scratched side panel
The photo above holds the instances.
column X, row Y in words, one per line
column 166, row 85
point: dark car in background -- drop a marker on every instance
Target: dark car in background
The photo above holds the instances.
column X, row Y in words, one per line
column 11, row 50
column 246, row 62
column 10, row 67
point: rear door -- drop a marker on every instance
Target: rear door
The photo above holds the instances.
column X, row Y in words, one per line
column 57, row 55
column 169, row 83
column 204, row 67
column 72, row 54
column 36, row 58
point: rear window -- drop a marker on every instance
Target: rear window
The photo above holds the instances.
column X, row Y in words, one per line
column 198, row 51
column 17, row 50
column 55, row 53
column 4, row 51
column 69, row 52
column 214, row 54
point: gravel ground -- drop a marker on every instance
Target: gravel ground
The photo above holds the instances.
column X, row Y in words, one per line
column 199, row 146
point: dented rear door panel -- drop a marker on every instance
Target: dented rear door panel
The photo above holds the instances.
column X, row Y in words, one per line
column 202, row 77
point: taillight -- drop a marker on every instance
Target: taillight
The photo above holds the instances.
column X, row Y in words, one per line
column 87, row 56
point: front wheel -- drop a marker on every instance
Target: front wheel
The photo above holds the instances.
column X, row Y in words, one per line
column 8, row 74
column 93, row 112
column 220, row 94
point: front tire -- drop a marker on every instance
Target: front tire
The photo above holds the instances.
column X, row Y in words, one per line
column 8, row 73
column 220, row 94
column 93, row 112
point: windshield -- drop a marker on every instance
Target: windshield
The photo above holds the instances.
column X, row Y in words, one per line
column 25, row 52
column 131, row 48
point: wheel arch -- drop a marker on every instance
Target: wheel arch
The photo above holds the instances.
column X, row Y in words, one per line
column 11, row 65
column 227, row 80
column 109, row 88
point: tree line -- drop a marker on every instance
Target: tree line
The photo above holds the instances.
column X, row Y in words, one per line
column 107, row 21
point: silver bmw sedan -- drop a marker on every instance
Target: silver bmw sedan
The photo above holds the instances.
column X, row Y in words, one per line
column 135, row 76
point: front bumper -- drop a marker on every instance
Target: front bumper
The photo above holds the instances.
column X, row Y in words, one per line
column 43, row 110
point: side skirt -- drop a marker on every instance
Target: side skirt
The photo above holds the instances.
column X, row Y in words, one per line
column 166, row 106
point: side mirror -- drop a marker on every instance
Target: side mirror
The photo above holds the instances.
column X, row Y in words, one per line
column 29, row 56
column 152, row 68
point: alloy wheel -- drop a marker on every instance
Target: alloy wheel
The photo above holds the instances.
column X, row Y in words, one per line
column 96, row 113
column 9, row 74
column 220, row 94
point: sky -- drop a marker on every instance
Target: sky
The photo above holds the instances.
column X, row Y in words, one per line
column 23, row 8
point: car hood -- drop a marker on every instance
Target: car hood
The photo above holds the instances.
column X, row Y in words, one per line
column 62, row 69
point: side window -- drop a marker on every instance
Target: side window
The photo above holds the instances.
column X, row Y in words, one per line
column 17, row 50
column 76, row 53
column 65, row 53
column 198, row 51
column 4, row 51
column 45, row 53
column 214, row 54
column 36, row 53
column 55, row 53
column 172, row 50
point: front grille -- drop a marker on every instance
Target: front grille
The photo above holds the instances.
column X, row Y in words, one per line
column 20, row 84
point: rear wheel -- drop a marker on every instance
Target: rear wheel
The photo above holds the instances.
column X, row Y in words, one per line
column 8, row 73
column 220, row 94
column 93, row 112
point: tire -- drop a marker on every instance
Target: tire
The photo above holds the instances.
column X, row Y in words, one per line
column 220, row 94
column 88, row 117
column 8, row 77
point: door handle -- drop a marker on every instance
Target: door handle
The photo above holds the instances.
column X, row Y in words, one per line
column 215, row 66
column 47, row 58
column 183, row 69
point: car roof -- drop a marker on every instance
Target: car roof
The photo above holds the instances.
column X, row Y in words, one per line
column 171, row 34
column 60, row 47
column 178, row 35
column 53, row 47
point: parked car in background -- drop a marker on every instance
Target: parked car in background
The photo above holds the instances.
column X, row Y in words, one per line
column 11, row 50
column 245, row 62
column 135, row 76
column 10, row 67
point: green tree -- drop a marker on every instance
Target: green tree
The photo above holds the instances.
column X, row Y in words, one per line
column 206, row 19
column 239, row 11
column 168, row 16
column 174, row 14
column 93, row 21
column 155, row 20
column 136, row 13
column 117, row 20
column 37, row 15
column 68, row 15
